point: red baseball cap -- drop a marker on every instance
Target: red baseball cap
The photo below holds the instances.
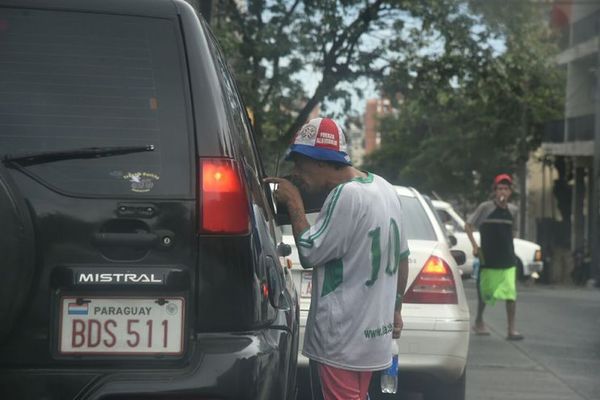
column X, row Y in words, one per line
column 321, row 139
column 501, row 178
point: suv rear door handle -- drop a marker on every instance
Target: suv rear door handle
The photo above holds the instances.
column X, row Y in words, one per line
column 142, row 239
column 120, row 239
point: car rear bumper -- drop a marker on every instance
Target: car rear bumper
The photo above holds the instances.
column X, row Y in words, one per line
column 441, row 354
column 439, row 351
column 445, row 367
column 220, row 366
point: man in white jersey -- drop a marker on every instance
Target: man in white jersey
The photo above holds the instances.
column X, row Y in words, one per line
column 359, row 253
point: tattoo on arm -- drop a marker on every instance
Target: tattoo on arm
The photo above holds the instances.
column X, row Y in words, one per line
column 298, row 220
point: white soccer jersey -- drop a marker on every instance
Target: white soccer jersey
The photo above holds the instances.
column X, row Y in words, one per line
column 355, row 247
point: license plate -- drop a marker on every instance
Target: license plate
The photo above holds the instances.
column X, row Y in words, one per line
column 121, row 326
column 306, row 285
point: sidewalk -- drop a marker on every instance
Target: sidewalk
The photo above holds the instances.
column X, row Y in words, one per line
column 498, row 369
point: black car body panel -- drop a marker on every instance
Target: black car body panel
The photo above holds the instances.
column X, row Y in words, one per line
column 137, row 73
column 235, row 366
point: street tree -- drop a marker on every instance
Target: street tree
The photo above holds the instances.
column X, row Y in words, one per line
column 290, row 56
column 477, row 85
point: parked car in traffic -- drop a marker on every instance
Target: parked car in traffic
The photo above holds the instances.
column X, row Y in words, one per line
column 435, row 339
column 139, row 254
column 529, row 254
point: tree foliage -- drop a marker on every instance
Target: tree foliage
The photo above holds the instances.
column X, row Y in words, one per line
column 477, row 84
column 291, row 55
column 472, row 80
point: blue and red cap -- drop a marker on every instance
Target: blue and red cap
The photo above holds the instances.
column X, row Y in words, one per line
column 321, row 139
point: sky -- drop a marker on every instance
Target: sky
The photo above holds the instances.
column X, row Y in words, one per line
column 368, row 87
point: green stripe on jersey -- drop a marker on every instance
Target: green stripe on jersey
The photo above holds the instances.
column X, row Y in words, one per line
column 333, row 277
column 404, row 255
column 308, row 242
column 367, row 179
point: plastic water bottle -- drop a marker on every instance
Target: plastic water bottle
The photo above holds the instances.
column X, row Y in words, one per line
column 389, row 377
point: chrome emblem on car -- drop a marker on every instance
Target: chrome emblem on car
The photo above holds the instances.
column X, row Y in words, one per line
column 126, row 277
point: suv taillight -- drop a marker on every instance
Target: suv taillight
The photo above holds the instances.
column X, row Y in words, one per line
column 434, row 284
column 223, row 201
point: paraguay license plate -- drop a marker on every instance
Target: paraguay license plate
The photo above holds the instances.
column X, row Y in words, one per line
column 121, row 326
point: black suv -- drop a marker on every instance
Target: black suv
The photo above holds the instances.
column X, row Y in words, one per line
column 139, row 255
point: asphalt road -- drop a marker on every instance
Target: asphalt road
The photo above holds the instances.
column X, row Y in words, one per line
column 558, row 360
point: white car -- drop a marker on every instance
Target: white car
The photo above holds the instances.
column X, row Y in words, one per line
column 435, row 339
column 529, row 254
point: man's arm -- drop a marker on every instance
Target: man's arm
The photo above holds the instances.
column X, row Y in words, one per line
column 316, row 244
column 330, row 237
column 469, row 231
column 516, row 221
column 288, row 194
column 298, row 218
column 402, row 279
column 473, row 221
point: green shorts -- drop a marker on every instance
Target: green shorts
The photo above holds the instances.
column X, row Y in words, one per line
column 498, row 284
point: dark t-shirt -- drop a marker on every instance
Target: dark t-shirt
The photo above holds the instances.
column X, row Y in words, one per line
column 496, row 226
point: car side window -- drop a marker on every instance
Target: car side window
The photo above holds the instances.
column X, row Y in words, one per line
column 236, row 112
column 242, row 129
column 447, row 219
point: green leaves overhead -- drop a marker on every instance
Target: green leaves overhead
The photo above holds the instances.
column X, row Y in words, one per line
column 291, row 55
column 472, row 80
column 478, row 83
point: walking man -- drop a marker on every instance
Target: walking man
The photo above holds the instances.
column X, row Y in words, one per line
column 359, row 253
column 497, row 222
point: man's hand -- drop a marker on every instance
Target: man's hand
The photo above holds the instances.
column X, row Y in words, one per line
column 398, row 324
column 286, row 192
column 476, row 251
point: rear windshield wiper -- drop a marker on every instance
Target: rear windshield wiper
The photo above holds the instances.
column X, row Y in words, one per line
column 86, row 152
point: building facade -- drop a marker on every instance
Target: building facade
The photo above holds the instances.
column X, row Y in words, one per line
column 375, row 109
column 570, row 153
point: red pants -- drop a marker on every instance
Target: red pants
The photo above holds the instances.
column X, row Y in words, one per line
column 341, row 384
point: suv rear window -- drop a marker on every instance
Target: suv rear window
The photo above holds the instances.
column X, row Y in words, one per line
column 416, row 222
column 75, row 80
